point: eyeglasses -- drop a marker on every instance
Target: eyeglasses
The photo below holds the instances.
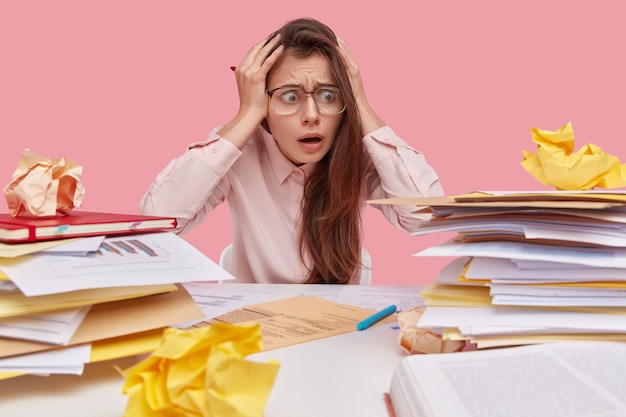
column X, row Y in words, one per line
column 288, row 100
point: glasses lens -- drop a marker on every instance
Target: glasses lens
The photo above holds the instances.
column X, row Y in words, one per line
column 288, row 100
column 328, row 100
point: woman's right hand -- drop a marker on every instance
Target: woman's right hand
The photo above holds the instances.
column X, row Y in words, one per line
column 251, row 76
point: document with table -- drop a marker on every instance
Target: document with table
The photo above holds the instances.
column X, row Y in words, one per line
column 297, row 319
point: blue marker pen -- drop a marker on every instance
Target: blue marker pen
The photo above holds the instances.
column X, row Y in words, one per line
column 376, row 317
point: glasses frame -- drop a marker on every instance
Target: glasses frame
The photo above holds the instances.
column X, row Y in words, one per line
column 270, row 93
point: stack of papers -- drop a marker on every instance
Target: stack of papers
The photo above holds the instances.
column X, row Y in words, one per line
column 112, row 296
column 528, row 267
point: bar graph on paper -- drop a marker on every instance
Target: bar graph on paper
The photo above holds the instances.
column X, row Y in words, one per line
column 140, row 259
column 137, row 252
column 126, row 248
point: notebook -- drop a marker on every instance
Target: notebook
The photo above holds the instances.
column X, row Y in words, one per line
column 78, row 224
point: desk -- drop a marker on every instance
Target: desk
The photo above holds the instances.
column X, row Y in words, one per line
column 343, row 376
column 338, row 376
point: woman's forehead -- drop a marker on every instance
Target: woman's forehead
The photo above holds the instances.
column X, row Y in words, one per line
column 300, row 71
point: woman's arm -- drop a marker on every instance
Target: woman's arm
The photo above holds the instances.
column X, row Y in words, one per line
column 193, row 184
column 395, row 169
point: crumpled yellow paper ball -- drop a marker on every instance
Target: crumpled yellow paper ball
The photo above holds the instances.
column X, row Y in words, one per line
column 415, row 339
column 201, row 372
column 43, row 187
column 554, row 163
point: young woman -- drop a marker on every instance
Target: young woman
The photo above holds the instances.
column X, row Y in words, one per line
column 296, row 164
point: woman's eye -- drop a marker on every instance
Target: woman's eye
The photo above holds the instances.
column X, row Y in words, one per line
column 290, row 97
column 327, row 96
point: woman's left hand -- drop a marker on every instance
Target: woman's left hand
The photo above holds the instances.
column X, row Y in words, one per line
column 369, row 120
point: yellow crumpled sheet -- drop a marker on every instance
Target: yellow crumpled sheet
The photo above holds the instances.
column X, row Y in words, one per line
column 201, row 372
column 554, row 163
column 415, row 339
column 43, row 187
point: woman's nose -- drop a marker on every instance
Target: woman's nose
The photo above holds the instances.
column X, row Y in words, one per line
column 310, row 112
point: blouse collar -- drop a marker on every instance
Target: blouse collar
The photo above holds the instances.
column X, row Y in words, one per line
column 282, row 166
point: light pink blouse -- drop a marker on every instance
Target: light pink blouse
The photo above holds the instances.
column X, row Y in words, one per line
column 264, row 190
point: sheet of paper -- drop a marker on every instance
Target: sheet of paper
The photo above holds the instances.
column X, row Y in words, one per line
column 327, row 292
column 513, row 330
column 603, row 192
column 16, row 304
column 557, row 301
column 437, row 317
column 7, row 287
column 138, row 343
column 215, row 300
column 593, row 257
column 55, row 327
column 76, row 247
column 298, row 319
column 614, row 237
column 487, row 342
column 70, row 360
column 8, row 250
column 375, row 297
column 504, row 270
column 550, row 291
column 145, row 259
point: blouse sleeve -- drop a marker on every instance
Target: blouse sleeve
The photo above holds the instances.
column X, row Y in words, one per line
column 395, row 169
column 193, row 184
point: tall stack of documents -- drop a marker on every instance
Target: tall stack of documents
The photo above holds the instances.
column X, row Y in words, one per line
column 528, row 267
column 67, row 302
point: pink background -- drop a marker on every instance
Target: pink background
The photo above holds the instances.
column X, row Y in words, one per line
column 121, row 87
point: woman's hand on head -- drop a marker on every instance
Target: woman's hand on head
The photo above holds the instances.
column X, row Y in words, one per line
column 251, row 76
column 354, row 74
column 369, row 120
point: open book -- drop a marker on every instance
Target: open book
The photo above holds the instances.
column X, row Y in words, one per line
column 579, row 379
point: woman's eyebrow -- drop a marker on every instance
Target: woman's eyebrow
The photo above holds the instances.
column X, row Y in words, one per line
column 294, row 85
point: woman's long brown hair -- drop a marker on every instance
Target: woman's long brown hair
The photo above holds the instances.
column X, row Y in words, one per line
column 331, row 213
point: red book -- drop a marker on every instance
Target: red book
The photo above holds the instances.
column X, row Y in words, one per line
column 78, row 224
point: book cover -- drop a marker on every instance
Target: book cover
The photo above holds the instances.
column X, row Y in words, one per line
column 78, row 224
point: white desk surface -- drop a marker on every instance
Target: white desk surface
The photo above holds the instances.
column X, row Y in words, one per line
column 344, row 375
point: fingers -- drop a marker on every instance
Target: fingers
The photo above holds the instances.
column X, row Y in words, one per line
column 257, row 59
column 271, row 51
column 351, row 63
column 251, row 75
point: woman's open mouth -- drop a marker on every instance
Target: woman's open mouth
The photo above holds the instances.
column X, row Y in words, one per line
column 311, row 143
